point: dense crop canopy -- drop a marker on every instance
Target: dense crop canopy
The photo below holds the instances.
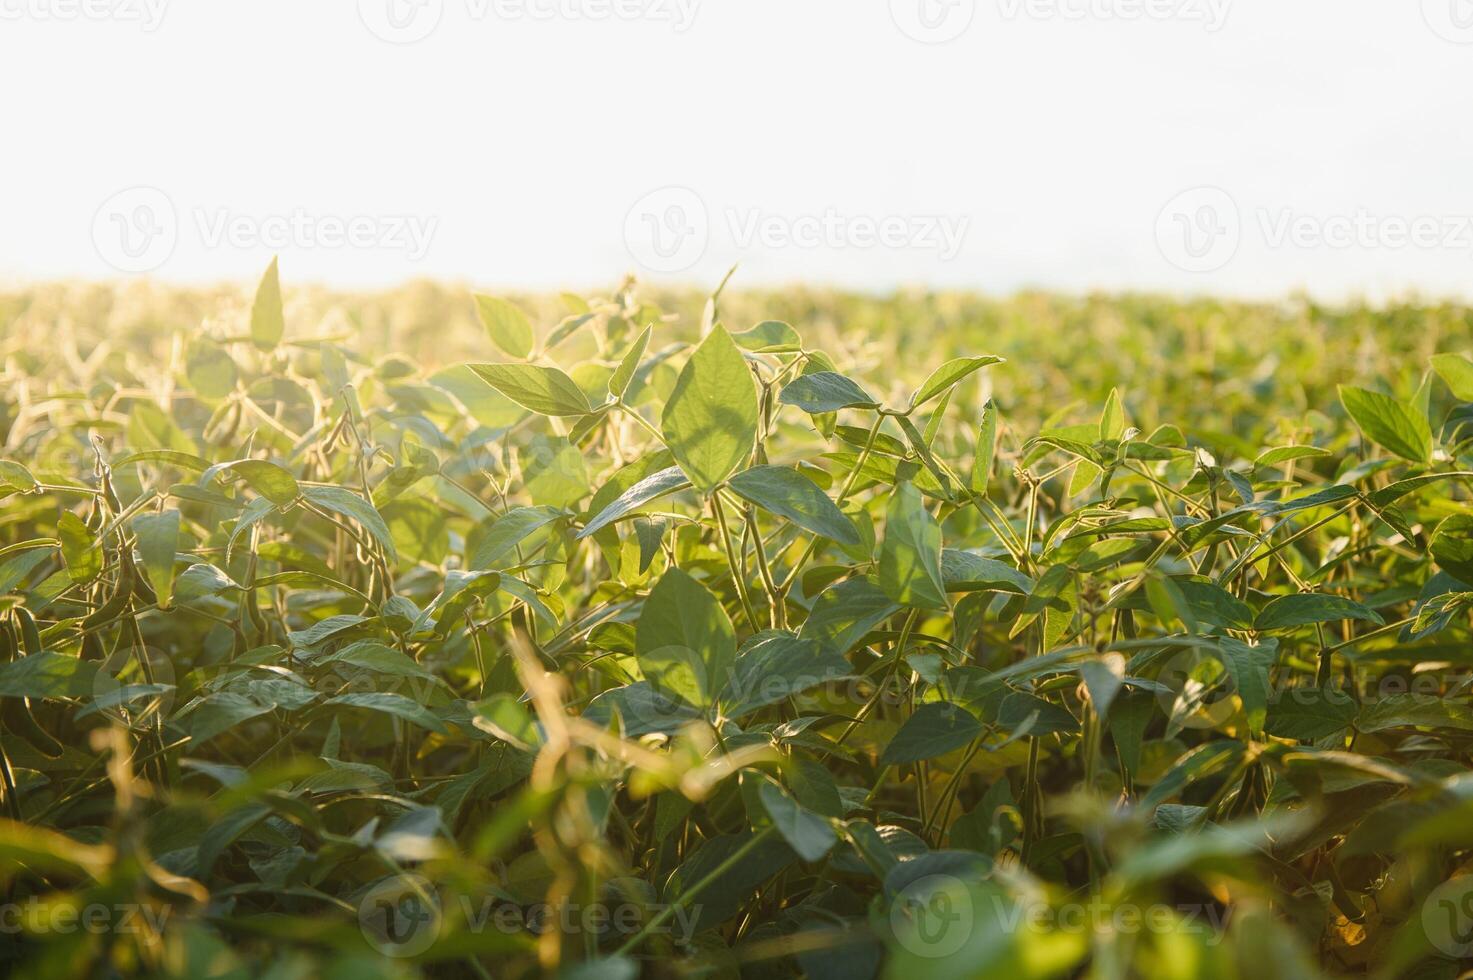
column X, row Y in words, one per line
column 449, row 636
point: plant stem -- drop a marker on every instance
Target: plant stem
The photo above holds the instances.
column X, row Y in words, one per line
column 695, row 890
column 731, row 560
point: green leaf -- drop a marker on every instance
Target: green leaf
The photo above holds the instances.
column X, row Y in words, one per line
column 624, row 373
column 48, row 675
column 642, row 709
column 485, row 404
column 936, row 728
column 1112, row 419
column 508, row 531
column 963, row 571
column 1308, row 714
column 184, row 461
column 218, row 712
column 1054, row 597
column 1452, row 546
column 1305, row 608
column 553, row 471
column 211, row 371
column 529, row 596
column 842, row 615
column 420, row 528
column 111, row 697
column 254, row 513
column 158, row 541
column 544, row 390
column 150, row 428
column 80, row 548
column 910, row 557
column 379, row 658
column 1248, row 666
column 392, row 704
column 1284, row 454
column 461, row 590
column 936, row 419
column 710, row 418
column 268, row 323
column 565, row 329
column 266, row 478
column 1415, row 711
column 1021, row 713
column 684, row 641
column 788, row 493
column 225, row 831
column 1103, row 679
column 949, row 374
column 649, row 533
column 652, row 487
column 1198, row 763
column 825, row 391
column 349, row 504
column 1392, row 492
column 918, row 442
column 505, row 717
column 1320, row 498
column 986, row 447
column 813, row 786
column 770, row 337
column 1214, row 605
column 505, row 324
column 15, row 567
column 1389, row 423
column 1457, row 372
column 199, row 580
column 774, row 666
column 326, row 629
column 810, row 835
column 1169, row 603
column 16, row 477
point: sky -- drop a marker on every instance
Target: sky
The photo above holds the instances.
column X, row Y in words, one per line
column 1251, row 148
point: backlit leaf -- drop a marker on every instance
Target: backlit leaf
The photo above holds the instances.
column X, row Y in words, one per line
column 710, row 418
column 268, row 323
column 505, row 324
column 544, row 390
column 1389, row 423
column 790, row 494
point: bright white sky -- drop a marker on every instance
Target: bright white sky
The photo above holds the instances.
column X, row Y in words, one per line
column 995, row 144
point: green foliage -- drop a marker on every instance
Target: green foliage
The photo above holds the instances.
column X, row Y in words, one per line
column 506, row 325
column 1398, row 427
column 710, row 418
column 789, row 494
column 268, row 322
column 910, row 558
column 330, row 646
column 544, row 390
column 684, row 642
